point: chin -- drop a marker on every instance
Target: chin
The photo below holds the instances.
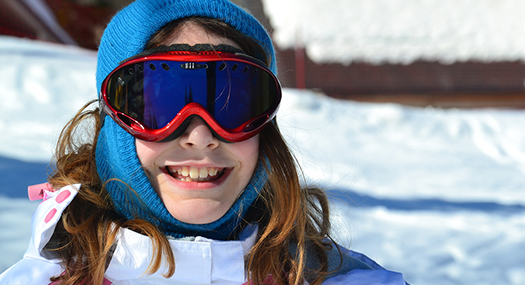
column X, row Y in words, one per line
column 191, row 213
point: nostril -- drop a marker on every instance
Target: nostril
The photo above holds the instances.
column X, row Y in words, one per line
column 199, row 135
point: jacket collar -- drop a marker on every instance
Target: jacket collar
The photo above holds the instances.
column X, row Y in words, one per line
column 197, row 261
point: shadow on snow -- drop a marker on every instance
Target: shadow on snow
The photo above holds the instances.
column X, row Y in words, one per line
column 16, row 175
column 354, row 199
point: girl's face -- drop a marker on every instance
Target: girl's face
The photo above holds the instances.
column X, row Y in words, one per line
column 197, row 176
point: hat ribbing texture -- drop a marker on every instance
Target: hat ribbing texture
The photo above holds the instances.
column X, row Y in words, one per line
column 129, row 31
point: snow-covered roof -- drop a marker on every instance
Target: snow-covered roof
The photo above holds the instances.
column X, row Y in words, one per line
column 401, row 31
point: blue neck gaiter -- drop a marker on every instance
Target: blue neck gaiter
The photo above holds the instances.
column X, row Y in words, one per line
column 134, row 198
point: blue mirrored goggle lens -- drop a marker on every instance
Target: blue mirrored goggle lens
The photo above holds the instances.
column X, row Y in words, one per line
column 153, row 92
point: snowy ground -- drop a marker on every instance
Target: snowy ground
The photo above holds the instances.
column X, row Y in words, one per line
column 435, row 194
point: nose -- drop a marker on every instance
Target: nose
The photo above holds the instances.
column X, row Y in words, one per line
column 198, row 135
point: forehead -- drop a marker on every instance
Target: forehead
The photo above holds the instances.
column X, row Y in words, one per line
column 192, row 34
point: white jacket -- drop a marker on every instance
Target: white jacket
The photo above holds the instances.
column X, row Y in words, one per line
column 198, row 260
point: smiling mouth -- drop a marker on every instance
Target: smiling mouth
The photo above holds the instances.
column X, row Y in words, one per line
column 195, row 174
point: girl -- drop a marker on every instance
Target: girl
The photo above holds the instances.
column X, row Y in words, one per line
column 185, row 178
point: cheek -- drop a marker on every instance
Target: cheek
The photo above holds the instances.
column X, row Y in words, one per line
column 247, row 151
column 147, row 152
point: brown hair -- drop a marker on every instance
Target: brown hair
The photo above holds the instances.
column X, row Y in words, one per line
column 292, row 215
column 89, row 225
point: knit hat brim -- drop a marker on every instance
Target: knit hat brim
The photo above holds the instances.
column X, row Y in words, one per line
column 129, row 30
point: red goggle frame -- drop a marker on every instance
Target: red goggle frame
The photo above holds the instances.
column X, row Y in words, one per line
column 154, row 97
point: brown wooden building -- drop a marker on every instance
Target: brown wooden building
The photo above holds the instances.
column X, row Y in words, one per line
column 422, row 83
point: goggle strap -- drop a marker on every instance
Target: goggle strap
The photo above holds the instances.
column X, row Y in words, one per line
column 102, row 115
column 182, row 48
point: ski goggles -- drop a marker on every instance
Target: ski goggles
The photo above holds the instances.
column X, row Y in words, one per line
column 154, row 97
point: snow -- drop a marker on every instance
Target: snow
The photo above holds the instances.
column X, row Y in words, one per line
column 436, row 194
column 42, row 85
column 377, row 146
column 401, row 31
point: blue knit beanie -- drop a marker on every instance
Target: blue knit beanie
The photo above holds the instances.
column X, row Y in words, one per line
column 117, row 163
column 129, row 31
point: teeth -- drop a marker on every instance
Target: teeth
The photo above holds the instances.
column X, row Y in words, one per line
column 203, row 172
column 187, row 173
column 194, row 172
